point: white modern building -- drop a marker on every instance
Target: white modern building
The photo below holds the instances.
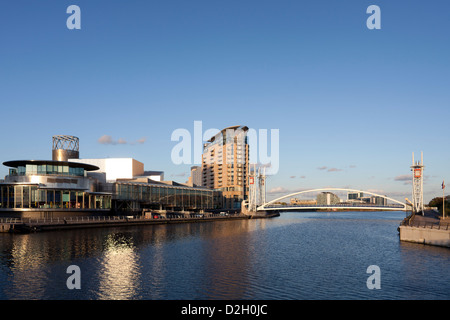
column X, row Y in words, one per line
column 116, row 168
column 154, row 175
column 327, row 198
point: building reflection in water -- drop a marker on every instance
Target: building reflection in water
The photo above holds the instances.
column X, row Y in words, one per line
column 156, row 275
column 185, row 261
column 27, row 270
column 230, row 258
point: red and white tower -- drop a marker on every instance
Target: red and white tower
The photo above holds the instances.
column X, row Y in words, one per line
column 417, row 184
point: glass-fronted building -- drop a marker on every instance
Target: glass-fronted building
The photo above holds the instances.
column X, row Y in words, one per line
column 40, row 188
column 162, row 196
column 66, row 186
column 46, row 188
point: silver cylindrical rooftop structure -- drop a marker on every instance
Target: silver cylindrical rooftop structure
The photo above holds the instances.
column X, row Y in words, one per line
column 65, row 148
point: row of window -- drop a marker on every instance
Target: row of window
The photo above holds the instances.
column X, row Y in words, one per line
column 32, row 169
column 31, row 197
column 169, row 196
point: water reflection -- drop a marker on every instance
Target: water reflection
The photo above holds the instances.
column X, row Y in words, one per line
column 420, row 274
column 306, row 256
column 125, row 263
column 119, row 268
column 26, row 268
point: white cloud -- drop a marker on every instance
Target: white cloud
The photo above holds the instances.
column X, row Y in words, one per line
column 377, row 191
column 278, row 190
column 183, row 174
column 329, row 169
column 403, row 177
column 107, row 139
column 141, row 140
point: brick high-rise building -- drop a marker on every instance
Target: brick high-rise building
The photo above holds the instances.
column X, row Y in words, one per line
column 225, row 165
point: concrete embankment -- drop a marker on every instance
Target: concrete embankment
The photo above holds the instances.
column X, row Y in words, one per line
column 426, row 229
column 262, row 215
column 35, row 225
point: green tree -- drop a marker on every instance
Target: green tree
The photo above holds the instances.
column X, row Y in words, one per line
column 437, row 202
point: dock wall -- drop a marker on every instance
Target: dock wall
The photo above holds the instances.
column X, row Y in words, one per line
column 34, row 225
column 431, row 236
column 5, row 227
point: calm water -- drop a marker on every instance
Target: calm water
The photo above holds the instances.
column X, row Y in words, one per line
column 295, row 256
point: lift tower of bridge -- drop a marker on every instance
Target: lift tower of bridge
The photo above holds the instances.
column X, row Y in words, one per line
column 257, row 188
column 417, row 184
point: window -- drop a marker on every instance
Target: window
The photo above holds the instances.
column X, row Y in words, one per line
column 31, row 169
column 42, row 169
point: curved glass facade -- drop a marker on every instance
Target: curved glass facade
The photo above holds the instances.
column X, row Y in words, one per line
column 33, row 197
column 48, row 169
column 22, row 196
column 58, row 186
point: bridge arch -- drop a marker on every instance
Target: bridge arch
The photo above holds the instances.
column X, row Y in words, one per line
column 262, row 207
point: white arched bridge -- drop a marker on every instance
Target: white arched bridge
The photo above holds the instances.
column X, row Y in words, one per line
column 277, row 205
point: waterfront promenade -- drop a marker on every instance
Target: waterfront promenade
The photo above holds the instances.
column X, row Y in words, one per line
column 47, row 224
column 429, row 228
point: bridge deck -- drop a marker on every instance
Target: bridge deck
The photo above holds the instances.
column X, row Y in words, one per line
column 397, row 205
column 368, row 207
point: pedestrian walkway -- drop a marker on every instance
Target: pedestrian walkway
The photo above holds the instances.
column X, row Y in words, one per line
column 431, row 219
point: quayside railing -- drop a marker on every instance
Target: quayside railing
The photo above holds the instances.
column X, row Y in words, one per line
column 410, row 221
column 88, row 219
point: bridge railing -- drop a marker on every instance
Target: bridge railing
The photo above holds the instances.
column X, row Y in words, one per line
column 333, row 205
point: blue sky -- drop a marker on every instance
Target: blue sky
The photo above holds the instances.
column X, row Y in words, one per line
column 351, row 104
